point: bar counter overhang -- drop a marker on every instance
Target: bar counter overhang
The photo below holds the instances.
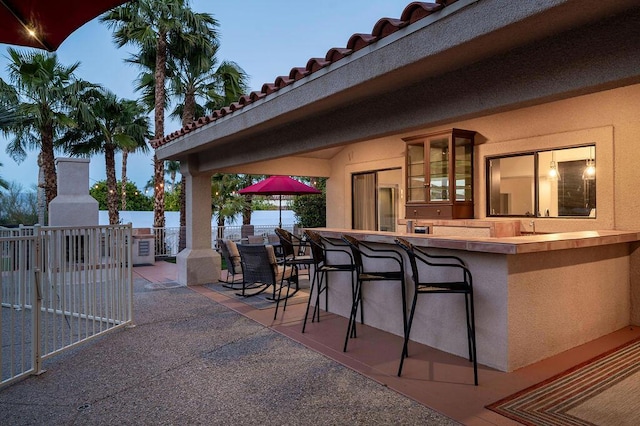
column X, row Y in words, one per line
column 535, row 295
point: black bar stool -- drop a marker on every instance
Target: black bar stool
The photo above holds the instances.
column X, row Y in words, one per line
column 290, row 244
column 320, row 248
column 421, row 286
column 366, row 274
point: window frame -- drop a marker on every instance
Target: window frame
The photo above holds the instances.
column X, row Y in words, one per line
column 536, row 181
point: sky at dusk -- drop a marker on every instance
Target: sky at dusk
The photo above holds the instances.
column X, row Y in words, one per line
column 265, row 38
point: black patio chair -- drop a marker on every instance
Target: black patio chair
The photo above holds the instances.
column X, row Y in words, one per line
column 424, row 286
column 367, row 273
column 321, row 252
column 261, row 271
column 231, row 256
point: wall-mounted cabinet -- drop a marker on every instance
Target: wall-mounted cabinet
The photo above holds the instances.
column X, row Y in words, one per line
column 440, row 175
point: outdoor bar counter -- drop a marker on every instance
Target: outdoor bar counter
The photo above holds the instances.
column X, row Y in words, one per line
column 535, row 295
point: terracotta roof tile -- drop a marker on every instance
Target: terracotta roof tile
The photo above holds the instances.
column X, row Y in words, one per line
column 384, row 27
column 316, row 64
column 283, row 81
column 244, row 100
column 418, row 10
column 298, row 73
column 269, row 88
column 387, row 26
column 358, row 41
column 256, row 96
column 336, row 53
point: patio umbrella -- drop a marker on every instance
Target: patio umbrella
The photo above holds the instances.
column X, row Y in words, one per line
column 279, row 185
column 45, row 24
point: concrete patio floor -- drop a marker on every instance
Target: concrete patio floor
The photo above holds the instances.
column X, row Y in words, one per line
column 197, row 356
column 192, row 361
column 435, row 379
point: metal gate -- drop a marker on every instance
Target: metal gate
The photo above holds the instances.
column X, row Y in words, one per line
column 60, row 286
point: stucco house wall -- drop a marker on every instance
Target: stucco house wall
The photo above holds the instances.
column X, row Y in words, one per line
column 610, row 119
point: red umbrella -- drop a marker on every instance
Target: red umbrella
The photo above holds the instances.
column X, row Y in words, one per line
column 45, row 24
column 279, row 185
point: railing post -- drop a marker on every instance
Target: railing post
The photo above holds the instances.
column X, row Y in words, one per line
column 129, row 254
column 36, row 297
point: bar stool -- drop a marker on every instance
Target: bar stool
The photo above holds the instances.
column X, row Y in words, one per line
column 320, row 248
column 366, row 274
column 291, row 259
column 464, row 286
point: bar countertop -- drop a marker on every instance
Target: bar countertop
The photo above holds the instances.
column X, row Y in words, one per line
column 502, row 245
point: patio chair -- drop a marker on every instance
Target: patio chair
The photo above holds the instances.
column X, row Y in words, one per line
column 255, row 239
column 261, row 271
column 229, row 251
column 365, row 273
column 274, row 240
column 423, row 286
column 321, row 251
column 290, row 246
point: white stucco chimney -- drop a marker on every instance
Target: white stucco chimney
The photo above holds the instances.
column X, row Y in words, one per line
column 73, row 206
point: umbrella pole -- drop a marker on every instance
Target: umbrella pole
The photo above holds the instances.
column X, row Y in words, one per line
column 280, row 211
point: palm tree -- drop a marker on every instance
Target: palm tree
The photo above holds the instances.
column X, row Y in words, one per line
column 173, row 168
column 119, row 125
column 7, row 117
column 138, row 115
column 195, row 78
column 225, row 200
column 48, row 100
column 3, row 183
column 248, row 180
column 155, row 24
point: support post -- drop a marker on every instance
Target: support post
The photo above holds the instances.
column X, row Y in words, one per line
column 198, row 263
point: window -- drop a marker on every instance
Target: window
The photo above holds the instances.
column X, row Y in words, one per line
column 552, row 183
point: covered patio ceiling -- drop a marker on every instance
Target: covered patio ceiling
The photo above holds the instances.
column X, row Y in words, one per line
column 469, row 59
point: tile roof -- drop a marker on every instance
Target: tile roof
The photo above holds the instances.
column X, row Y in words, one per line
column 384, row 27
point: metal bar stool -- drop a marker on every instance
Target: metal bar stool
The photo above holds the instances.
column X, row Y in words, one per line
column 366, row 274
column 421, row 286
column 320, row 248
column 289, row 244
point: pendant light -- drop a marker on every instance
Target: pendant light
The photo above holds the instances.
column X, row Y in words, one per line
column 553, row 170
column 589, row 172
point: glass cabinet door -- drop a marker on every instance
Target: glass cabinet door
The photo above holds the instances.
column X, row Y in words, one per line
column 439, row 169
column 415, row 172
column 463, row 169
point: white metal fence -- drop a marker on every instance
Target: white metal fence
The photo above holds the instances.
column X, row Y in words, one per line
column 59, row 287
column 167, row 240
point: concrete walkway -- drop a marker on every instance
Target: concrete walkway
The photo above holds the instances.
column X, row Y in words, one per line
column 192, row 361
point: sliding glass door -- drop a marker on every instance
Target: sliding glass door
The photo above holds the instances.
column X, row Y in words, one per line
column 375, row 200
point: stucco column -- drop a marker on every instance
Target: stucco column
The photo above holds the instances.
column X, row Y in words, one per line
column 198, row 263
